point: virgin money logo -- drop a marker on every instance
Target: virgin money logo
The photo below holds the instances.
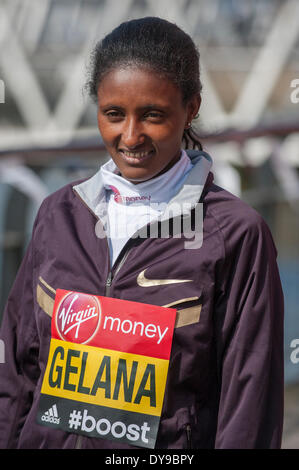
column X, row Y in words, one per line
column 117, row 196
column 78, row 317
column 127, row 199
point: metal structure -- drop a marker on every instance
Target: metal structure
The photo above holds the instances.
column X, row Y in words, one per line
column 248, row 54
column 249, row 63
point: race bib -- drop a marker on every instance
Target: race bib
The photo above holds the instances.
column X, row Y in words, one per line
column 107, row 368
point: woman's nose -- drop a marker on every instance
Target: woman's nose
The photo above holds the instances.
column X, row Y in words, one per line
column 132, row 134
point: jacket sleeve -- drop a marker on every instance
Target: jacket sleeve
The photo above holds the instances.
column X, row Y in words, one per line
column 20, row 371
column 250, row 339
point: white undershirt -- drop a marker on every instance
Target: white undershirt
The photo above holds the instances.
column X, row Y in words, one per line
column 132, row 206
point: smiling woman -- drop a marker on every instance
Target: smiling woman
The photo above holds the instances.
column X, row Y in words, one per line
column 223, row 384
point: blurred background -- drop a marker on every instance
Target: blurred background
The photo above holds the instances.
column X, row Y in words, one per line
column 249, row 120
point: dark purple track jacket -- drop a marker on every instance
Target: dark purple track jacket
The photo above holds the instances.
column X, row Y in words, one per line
column 225, row 381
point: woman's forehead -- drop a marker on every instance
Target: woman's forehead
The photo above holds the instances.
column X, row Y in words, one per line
column 137, row 82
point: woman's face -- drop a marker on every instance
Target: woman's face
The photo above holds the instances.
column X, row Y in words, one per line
column 141, row 118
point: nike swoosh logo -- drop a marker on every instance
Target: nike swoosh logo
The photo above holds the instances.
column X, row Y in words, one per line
column 142, row 281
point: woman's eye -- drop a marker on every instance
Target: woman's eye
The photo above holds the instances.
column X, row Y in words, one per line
column 154, row 115
column 113, row 114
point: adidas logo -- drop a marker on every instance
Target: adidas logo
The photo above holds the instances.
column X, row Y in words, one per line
column 51, row 416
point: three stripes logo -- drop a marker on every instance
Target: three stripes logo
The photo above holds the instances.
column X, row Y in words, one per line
column 51, row 416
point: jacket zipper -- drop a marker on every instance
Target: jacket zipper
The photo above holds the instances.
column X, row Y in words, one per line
column 78, row 444
column 108, row 284
column 111, row 276
column 188, row 434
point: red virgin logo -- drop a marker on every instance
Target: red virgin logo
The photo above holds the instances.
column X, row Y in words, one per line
column 78, row 317
column 127, row 199
column 117, row 196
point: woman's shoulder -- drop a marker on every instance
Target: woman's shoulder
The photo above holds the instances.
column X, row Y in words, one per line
column 62, row 196
column 233, row 216
column 61, row 201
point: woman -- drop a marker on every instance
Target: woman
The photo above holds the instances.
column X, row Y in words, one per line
column 225, row 379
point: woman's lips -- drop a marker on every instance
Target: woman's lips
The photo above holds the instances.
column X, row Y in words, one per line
column 136, row 157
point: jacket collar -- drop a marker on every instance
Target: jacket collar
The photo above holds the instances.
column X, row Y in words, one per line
column 92, row 190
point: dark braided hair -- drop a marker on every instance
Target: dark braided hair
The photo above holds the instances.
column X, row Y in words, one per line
column 153, row 43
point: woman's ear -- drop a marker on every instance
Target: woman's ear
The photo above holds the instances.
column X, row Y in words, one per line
column 193, row 107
